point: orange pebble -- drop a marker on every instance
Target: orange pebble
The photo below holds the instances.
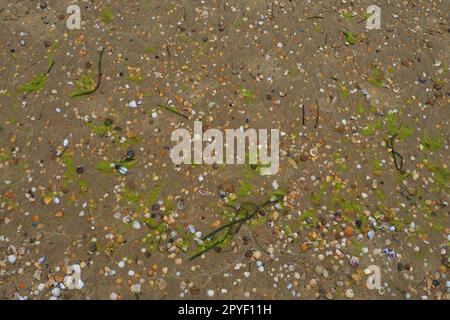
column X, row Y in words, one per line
column 348, row 231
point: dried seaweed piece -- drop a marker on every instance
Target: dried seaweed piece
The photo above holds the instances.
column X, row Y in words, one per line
column 100, row 73
column 395, row 154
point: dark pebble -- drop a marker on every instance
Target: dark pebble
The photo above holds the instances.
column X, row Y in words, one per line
column 303, row 157
column 157, row 216
column 130, row 154
column 437, row 86
column 422, row 79
column 194, row 290
column 108, row 122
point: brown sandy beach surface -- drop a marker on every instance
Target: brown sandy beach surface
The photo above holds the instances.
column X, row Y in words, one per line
column 364, row 171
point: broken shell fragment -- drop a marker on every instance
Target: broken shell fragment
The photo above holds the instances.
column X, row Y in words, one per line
column 313, row 152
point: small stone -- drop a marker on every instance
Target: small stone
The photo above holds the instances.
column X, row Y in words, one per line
column 349, row 293
column 47, row 200
column 210, row 293
column 130, row 154
column 136, row 225
column 411, row 191
column 354, row 262
column 422, row 79
column 319, row 269
column 303, row 157
column 108, row 122
column 275, row 185
column 12, row 259
column 348, row 231
column 135, row 288
column 56, row 292
column 257, row 255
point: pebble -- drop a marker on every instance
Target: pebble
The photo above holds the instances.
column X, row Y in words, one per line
column 349, row 293
column 275, row 185
column 135, row 288
column 136, row 225
column 12, row 259
column 56, row 292
column 412, row 191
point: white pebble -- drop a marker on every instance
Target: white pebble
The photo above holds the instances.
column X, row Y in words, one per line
column 56, row 292
column 136, row 225
column 275, row 185
column 12, row 259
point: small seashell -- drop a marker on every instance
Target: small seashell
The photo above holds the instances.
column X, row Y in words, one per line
column 313, row 152
column 123, row 170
